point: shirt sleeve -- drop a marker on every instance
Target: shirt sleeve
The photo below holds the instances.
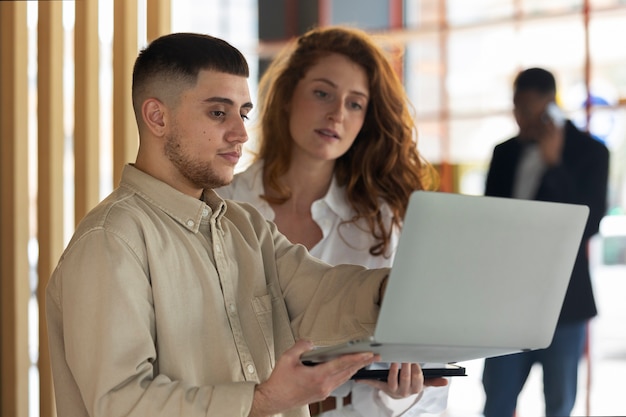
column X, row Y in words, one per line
column 316, row 293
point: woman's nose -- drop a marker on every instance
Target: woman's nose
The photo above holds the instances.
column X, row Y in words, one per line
column 335, row 113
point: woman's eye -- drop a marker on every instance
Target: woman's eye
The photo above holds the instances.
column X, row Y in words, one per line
column 356, row 106
column 320, row 93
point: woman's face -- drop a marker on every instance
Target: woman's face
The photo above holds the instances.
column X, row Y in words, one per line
column 328, row 108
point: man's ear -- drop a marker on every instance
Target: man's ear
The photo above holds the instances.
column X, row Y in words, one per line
column 154, row 115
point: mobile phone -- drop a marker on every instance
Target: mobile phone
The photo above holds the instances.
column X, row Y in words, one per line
column 553, row 114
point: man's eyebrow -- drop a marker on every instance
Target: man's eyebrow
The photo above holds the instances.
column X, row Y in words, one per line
column 332, row 84
column 225, row 100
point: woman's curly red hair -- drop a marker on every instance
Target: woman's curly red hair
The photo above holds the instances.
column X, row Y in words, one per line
column 383, row 164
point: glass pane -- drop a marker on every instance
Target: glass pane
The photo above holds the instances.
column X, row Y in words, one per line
column 609, row 125
column 471, row 178
column 462, row 12
column 235, row 21
column 535, row 7
column 369, row 14
column 473, row 140
column 599, row 4
column 429, row 140
column 608, row 76
column 481, row 63
column 423, row 74
column 554, row 43
column 420, row 13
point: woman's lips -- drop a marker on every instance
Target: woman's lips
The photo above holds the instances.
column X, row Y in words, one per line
column 328, row 133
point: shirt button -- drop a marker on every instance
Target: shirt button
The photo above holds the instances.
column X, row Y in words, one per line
column 205, row 212
column 232, row 308
column 190, row 223
column 250, row 369
column 218, row 248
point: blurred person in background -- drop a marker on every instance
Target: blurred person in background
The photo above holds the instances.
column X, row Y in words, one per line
column 549, row 160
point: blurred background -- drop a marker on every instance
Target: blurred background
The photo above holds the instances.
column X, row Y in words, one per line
column 67, row 128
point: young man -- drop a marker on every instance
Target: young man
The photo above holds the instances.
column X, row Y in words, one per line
column 549, row 160
column 171, row 301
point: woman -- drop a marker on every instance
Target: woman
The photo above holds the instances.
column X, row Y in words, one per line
column 336, row 164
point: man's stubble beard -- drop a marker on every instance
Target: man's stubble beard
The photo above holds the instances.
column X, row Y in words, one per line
column 198, row 172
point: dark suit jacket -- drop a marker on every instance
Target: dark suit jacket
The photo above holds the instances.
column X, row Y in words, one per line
column 580, row 178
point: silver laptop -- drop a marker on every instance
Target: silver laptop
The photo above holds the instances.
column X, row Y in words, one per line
column 473, row 277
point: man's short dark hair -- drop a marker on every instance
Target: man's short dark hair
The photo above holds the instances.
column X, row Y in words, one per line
column 179, row 57
column 535, row 79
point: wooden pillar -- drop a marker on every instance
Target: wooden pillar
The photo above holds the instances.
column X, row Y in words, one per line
column 447, row 174
column 125, row 39
column 396, row 22
column 86, row 109
column 159, row 18
column 324, row 12
column 50, row 141
column 14, row 283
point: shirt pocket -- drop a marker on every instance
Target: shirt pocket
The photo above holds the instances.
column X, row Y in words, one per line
column 262, row 307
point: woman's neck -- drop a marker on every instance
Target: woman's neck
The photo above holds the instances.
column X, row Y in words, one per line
column 308, row 181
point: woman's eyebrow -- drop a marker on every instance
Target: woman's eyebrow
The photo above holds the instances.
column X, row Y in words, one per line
column 332, row 84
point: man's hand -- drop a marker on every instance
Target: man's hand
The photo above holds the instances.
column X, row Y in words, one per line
column 551, row 143
column 404, row 381
column 293, row 384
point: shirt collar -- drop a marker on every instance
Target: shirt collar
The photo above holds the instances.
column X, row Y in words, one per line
column 186, row 210
column 252, row 181
column 336, row 201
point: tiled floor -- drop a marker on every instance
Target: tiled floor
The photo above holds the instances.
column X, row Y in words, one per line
column 607, row 382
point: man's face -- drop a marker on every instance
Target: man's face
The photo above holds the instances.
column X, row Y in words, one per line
column 529, row 113
column 205, row 137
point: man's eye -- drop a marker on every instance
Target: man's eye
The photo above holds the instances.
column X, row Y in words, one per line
column 245, row 117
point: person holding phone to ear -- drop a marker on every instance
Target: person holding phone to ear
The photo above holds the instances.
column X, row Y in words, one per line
column 549, row 160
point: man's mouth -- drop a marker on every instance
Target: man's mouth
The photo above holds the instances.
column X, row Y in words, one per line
column 232, row 157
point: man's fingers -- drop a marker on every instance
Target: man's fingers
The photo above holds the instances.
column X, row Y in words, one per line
column 300, row 347
column 352, row 362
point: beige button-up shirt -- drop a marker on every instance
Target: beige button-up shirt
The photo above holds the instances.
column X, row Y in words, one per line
column 164, row 305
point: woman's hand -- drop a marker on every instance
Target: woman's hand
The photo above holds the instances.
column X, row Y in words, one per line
column 404, row 380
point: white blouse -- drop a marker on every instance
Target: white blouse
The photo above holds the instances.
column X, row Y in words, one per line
column 343, row 243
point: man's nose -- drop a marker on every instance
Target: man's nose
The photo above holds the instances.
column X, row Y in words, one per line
column 238, row 133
